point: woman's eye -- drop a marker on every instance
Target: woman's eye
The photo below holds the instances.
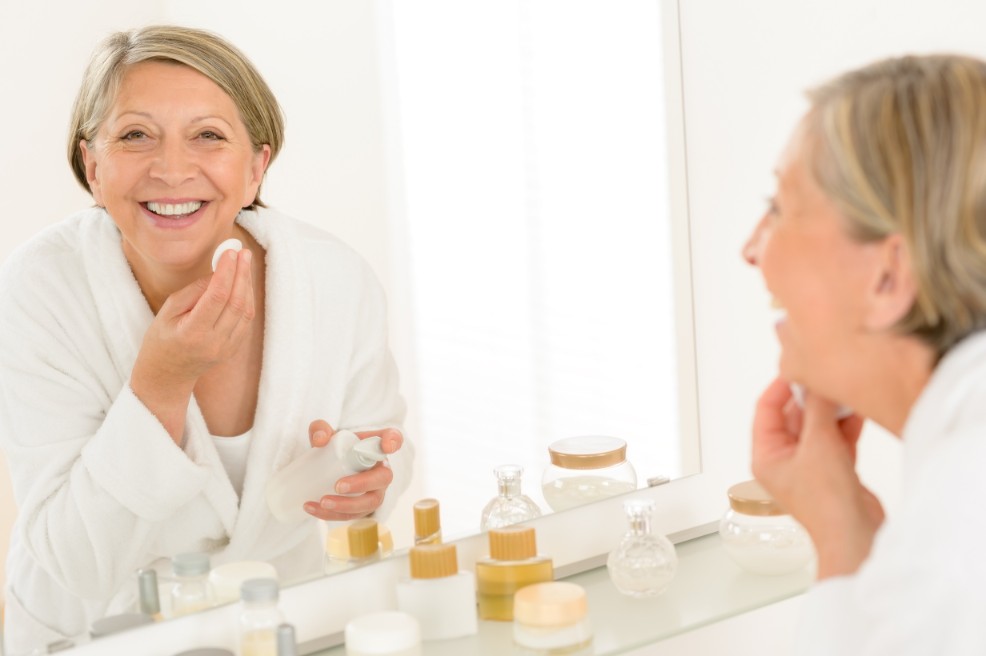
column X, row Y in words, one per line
column 210, row 135
column 133, row 135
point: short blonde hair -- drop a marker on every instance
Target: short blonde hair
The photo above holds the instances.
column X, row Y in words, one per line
column 202, row 51
column 900, row 146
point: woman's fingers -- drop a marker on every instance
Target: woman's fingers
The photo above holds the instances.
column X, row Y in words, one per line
column 239, row 309
column 391, row 439
column 336, row 508
column 207, row 310
column 319, row 433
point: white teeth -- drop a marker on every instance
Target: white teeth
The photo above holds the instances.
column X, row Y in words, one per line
column 174, row 210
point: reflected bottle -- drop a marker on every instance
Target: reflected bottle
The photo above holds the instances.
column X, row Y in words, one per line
column 644, row 563
column 191, row 592
column 427, row 522
column 149, row 598
column 510, row 505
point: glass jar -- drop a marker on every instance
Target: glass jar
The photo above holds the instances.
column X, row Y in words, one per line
column 644, row 563
column 585, row 469
column 260, row 617
column 191, row 592
column 510, row 505
column 760, row 536
column 552, row 618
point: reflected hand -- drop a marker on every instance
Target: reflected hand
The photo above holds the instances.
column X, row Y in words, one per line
column 368, row 487
column 806, row 459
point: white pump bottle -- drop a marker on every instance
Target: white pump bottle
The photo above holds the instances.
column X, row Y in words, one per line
column 314, row 474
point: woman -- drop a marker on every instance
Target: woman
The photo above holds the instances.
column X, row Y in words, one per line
column 145, row 400
column 875, row 247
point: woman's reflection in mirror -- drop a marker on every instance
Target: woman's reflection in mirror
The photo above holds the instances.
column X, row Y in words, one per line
column 145, row 400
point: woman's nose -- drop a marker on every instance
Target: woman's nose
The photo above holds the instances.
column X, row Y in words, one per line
column 174, row 164
column 751, row 249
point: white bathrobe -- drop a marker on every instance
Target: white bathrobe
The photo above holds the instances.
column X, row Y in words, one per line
column 922, row 590
column 101, row 487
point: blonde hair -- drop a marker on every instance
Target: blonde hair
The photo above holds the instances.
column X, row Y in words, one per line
column 900, row 146
column 202, row 51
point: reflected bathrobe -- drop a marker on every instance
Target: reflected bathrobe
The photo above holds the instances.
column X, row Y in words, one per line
column 923, row 588
column 101, row 487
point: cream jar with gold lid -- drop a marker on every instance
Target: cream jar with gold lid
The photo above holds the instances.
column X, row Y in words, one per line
column 760, row 536
column 586, row 468
column 552, row 618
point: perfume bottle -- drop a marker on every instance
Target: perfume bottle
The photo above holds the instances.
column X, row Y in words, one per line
column 513, row 564
column 509, row 506
column 427, row 522
column 644, row 563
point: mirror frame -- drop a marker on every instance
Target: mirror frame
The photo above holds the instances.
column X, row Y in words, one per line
column 576, row 539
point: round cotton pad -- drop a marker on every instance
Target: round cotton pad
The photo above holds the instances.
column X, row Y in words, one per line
column 229, row 244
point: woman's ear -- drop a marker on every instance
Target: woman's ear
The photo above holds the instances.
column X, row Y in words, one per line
column 89, row 160
column 893, row 288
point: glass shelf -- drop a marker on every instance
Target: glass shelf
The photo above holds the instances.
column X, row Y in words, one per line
column 708, row 587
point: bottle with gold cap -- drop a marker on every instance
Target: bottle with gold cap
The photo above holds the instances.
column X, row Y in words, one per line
column 513, row 563
column 760, row 536
column 427, row 522
column 438, row 595
column 337, row 555
column 510, row 505
column 585, row 469
column 364, row 541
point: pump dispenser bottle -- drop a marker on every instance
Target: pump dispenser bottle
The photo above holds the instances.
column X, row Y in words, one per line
column 315, row 474
column 438, row 595
column 513, row 564
column 427, row 522
column 510, row 505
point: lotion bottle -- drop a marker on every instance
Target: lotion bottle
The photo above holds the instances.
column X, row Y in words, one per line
column 315, row 474
column 438, row 595
column 259, row 618
column 512, row 565
column 191, row 592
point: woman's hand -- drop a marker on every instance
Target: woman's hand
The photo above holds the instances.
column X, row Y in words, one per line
column 368, row 487
column 806, row 459
column 196, row 328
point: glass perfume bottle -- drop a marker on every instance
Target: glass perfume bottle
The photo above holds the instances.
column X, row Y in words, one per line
column 510, row 505
column 644, row 563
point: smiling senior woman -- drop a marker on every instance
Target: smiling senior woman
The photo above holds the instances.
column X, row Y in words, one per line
column 145, row 400
column 875, row 246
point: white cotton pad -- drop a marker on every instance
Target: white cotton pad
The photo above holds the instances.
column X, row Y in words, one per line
column 799, row 396
column 229, row 244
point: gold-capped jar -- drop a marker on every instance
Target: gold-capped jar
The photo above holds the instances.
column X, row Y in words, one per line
column 760, row 536
column 585, row 469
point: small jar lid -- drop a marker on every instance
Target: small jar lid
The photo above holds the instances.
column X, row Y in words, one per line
column 384, row 632
column 433, row 561
column 116, row 623
column 513, row 543
column 364, row 539
column 587, row 452
column 193, row 563
column 427, row 520
column 749, row 498
column 260, row 590
column 551, row 604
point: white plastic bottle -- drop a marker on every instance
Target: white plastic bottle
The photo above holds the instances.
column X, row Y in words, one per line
column 314, row 474
column 259, row 618
column 438, row 595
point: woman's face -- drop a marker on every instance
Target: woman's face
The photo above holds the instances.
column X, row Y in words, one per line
column 816, row 273
column 172, row 163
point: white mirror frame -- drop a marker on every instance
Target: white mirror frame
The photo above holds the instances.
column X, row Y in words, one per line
column 576, row 539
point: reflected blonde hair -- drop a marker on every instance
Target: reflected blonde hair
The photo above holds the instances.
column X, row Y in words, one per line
column 202, row 51
column 900, row 146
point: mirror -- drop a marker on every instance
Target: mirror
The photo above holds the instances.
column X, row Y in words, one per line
column 509, row 285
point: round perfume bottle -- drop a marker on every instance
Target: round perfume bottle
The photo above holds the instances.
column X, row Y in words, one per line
column 760, row 536
column 644, row 563
column 585, row 469
column 510, row 505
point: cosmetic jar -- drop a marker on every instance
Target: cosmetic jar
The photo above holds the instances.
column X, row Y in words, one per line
column 552, row 618
column 585, row 469
column 385, row 633
column 226, row 579
column 760, row 536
